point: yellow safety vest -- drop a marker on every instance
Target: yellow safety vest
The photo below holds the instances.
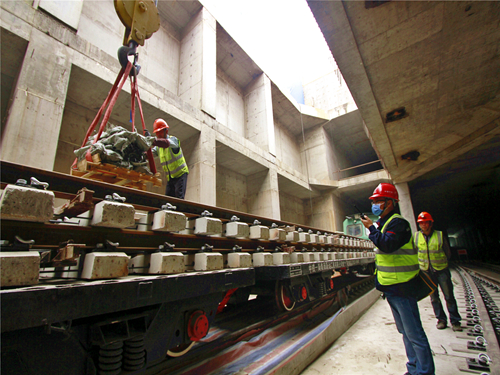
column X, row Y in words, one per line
column 432, row 250
column 397, row 267
column 173, row 164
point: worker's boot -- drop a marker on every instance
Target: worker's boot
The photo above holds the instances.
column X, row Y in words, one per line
column 441, row 324
column 456, row 327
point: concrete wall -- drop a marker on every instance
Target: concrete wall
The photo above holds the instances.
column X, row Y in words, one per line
column 287, row 148
column 292, row 208
column 330, row 93
column 64, row 76
column 230, row 104
column 231, row 188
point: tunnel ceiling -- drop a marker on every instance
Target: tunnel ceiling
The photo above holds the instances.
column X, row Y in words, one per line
column 425, row 77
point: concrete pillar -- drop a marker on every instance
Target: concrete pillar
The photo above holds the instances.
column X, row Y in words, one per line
column 198, row 66
column 405, row 205
column 263, row 194
column 318, row 155
column 202, row 168
column 32, row 128
column 259, row 122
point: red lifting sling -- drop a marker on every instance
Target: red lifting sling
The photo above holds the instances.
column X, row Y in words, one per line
column 111, row 101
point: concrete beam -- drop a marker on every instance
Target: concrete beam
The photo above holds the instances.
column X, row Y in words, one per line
column 259, row 122
column 198, row 70
column 202, row 174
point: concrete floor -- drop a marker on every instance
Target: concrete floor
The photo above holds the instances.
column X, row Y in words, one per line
column 373, row 345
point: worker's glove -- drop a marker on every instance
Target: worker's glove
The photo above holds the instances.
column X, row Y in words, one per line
column 146, row 133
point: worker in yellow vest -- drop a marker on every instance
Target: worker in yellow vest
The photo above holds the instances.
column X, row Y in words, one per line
column 168, row 148
column 433, row 254
column 397, row 269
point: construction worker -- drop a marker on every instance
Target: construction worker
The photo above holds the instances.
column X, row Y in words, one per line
column 397, row 268
column 168, row 148
column 433, row 254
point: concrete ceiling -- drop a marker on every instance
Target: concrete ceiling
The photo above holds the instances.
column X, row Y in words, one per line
column 438, row 60
column 175, row 15
column 234, row 61
column 348, row 135
column 236, row 161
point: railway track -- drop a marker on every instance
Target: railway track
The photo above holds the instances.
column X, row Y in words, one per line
column 482, row 296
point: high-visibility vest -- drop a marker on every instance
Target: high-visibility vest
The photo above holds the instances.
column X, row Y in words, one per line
column 173, row 164
column 397, row 267
column 431, row 250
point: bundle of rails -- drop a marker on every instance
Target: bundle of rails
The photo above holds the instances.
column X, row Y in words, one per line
column 121, row 284
column 482, row 324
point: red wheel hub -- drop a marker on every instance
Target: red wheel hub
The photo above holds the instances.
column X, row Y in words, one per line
column 197, row 326
column 303, row 292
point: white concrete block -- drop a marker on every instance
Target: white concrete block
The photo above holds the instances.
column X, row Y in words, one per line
column 207, row 226
column 314, row 238
column 101, row 265
column 139, row 264
column 262, row 259
column 113, row 215
column 236, row 229
column 281, row 258
column 169, row 221
column 259, row 232
column 297, row 257
column 26, row 204
column 277, row 234
column 208, row 261
column 292, row 236
column 330, row 255
column 308, row 257
column 166, row 263
column 19, row 268
column 322, row 238
column 317, row 257
column 239, row 260
column 304, row 237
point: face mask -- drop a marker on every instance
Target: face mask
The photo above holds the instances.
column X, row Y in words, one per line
column 377, row 210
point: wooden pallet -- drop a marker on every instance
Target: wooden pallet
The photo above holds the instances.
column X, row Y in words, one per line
column 112, row 174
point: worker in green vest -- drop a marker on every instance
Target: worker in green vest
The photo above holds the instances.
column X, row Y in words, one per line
column 433, row 254
column 397, row 269
column 168, row 148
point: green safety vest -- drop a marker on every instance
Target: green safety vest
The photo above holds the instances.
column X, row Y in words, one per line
column 173, row 164
column 397, row 267
column 431, row 251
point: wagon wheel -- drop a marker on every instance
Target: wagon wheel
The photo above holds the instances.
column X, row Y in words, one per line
column 284, row 299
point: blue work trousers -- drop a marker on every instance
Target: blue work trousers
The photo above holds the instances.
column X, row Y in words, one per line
column 176, row 187
column 408, row 323
column 443, row 279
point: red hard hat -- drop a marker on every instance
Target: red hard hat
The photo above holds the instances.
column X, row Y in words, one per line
column 424, row 216
column 159, row 124
column 385, row 190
